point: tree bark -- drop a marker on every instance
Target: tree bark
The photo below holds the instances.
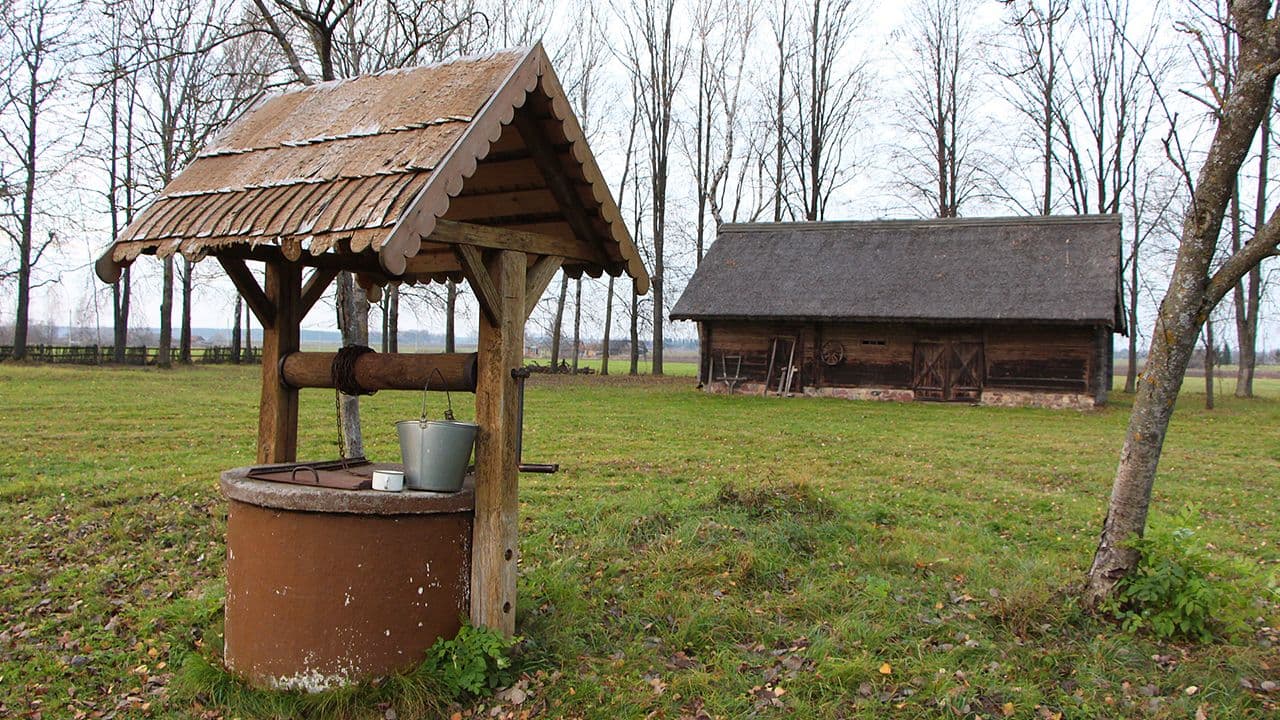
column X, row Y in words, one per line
column 1191, row 296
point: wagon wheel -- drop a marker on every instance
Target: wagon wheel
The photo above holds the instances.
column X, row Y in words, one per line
column 832, row 352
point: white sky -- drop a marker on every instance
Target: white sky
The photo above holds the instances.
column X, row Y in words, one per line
column 873, row 194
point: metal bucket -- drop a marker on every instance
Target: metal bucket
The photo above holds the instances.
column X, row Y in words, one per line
column 435, row 453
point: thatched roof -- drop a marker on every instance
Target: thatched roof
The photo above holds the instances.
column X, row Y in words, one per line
column 1059, row 269
column 367, row 166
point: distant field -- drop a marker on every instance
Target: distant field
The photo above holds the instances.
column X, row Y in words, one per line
column 697, row 554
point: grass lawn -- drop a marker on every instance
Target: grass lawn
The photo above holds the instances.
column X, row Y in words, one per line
column 697, row 556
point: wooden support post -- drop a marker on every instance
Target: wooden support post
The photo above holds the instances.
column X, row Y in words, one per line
column 494, row 546
column 278, row 411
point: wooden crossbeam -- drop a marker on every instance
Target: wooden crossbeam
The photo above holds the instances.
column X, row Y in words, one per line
column 361, row 262
column 537, row 278
column 472, row 262
column 247, row 284
column 501, row 238
column 314, row 288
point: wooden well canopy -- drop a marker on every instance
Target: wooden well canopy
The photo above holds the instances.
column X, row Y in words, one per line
column 475, row 169
column 388, row 175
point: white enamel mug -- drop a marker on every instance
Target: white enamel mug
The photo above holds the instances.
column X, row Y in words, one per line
column 388, row 480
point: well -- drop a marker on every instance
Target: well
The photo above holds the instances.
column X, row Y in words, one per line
column 326, row 587
column 475, row 171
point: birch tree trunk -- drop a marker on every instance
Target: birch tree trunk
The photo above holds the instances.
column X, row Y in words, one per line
column 608, row 325
column 1248, row 293
column 164, row 354
column 235, row 330
column 353, row 319
column 184, row 332
column 450, row 317
column 1192, row 294
column 577, row 321
column 558, row 324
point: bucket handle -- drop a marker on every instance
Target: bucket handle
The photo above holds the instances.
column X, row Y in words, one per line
column 448, row 414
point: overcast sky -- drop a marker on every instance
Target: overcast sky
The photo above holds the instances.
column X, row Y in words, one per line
column 78, row 297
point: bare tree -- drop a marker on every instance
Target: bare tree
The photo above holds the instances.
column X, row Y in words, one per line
column 1032, row 68
column 1247, row 294
column 723, row 35
column 656, row 61
column 118, row 97
column 938, row 161
column 1148, row 207
column 779, row 21
column 1195, row 287
column 628, row 163
column 1216, row 59
column 829, row 89
column 37, row 41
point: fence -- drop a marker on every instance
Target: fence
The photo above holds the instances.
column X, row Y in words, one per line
column 135, row 355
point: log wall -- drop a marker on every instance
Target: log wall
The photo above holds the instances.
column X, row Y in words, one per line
column 1024, row 358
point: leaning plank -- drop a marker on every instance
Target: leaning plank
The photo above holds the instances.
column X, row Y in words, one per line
column 315, row 287
column 537, row 279
column 247, row 284
column 472, row 263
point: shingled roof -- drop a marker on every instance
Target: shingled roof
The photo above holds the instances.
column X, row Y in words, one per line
column 1058, row 269
column 368, row 166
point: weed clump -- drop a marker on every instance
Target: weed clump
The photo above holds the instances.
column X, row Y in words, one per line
column 477, row 660
column 776, row 501
column 1178, row 590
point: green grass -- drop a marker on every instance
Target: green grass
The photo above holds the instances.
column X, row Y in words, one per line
column 696, row 553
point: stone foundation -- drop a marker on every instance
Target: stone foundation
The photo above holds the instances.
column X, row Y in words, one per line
column 993, row 397
column 1029, row 398
column 862, row 393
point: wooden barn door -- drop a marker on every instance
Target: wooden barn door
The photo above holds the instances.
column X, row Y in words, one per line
column 966, row 371
column 948, row 370
column 930, row 371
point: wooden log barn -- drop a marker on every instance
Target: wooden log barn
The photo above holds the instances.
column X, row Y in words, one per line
column 475, row 169
column 1017, row 311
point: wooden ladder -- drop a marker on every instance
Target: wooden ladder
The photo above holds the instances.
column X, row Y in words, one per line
column 786, row 374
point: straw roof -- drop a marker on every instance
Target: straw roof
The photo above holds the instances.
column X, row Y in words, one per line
column 372, row 173
column 1058, row 269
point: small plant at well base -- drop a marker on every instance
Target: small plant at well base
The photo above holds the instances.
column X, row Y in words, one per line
column 1177, row 590
column 475, row 661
